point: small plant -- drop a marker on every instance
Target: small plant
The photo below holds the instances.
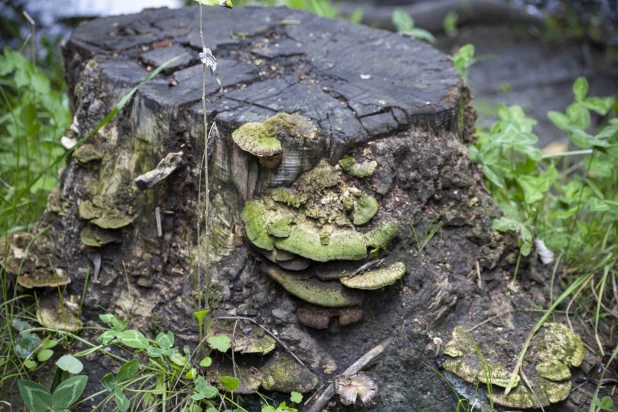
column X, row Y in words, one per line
column 39, row 399
column 449, row 23
column 404, row 23
column 432, row 229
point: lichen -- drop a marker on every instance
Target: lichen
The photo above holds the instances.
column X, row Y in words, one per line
column 364, row 209
column 348, row 164
column 285, row 375
column 376, row 279
column 311, row 290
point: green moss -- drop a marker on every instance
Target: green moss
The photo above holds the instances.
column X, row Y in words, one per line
column 305, row 240
column 285, row 375
column 365, row 169
column 553, row 370
column 312, row 290
column 365, row 208
column 376, row 279
column 288, row 196
column 87, row 153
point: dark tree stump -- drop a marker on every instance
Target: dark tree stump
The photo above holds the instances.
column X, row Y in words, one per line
column 369, row 93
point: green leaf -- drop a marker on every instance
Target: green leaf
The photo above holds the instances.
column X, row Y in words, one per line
column 578, row 115
column 505, row 224
column 36, row 397
column 191, row 373
column 601, row 105
column 107, row 337
column 155, row 352
column 230, row 383
column 221, row 3
column 116, row 324
column 463, row 58
column 44, row 354
column 20, row 325
column 148, row 398
column 28, row 343
column 203, row 390
column 221, row 343
column 560, row 120
column 206, row 362
column 449, row 24
column 420, row 34
column 296, row 397
column 580, row 137
column 68, row 392
column 200, row 316
column 357, row 15
column 121, row 400
column 402, row 21
column 580, row 88
column 49, row 343
column 109, row 382
column 30, row 364
column 178, row 359
column 133, row 339
column 127, row 370
column 165, row 340
column 268, row 408
column 70, row 364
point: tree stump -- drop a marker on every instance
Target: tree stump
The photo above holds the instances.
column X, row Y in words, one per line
column 390, row 111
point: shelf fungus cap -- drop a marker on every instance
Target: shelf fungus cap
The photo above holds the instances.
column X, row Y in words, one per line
column 255, row 341
column 319, row 318
column 259, row 139
column 312, row 290
column 376, row 279
column 54, row 314
column 94, row 236
column 348, row 164
column 364, row 209
column 285, row 375
column 361, row 386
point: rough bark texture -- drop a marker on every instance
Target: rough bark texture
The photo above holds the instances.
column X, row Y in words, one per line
column 369, row 93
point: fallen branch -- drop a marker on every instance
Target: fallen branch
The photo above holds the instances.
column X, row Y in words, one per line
column 165, row 168
column 353, row 369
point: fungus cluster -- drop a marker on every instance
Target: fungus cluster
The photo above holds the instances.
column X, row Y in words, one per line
column 546, row 366
column 308, row 234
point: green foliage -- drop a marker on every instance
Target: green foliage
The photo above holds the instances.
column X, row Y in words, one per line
column 463, row 59
column 38, row 399
column 296, row 397
column 70, row 364
column 221, row 343
column 449, row 24
column 34, row 116
column 404, row 23
column 605, row 404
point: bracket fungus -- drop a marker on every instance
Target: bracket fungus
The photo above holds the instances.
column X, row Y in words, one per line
column 376, row 279
column 54, row 314
column 348, row 164
column 320, row 318
column 283, row 374
column 256, row 341
column 263, row 139
column 546, row 365
column 94, row 236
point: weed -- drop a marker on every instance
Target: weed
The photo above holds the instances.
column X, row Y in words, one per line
column 404, row 23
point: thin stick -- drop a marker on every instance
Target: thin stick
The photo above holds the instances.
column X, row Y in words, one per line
column 479, row 282
column 158, row 219
column 354, row 368
column 366, row 266
column 267, row 331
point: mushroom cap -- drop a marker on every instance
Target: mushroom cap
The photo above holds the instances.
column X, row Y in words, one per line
column 361, row 385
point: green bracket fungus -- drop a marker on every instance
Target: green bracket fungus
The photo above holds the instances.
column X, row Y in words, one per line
column 380, row 237
column 364, row 209
column 103, row 217
column 320, row 318
column 256, row 341
column 365, row 169
column 262, row 139
column 288, row 196
column 317, row 292
column 376, row 279
column 298, row 263
column 256, row 218
column 87, row 153
column 96, row 237
column 281, row 227
column 305, row 240
column 285, row 375
column 546, row 366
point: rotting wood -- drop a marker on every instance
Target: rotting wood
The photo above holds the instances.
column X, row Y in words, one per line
column 166, row 167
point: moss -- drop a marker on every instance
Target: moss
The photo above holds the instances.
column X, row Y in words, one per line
column 365, row 169
column 87, row 153
column 328, row 294
column 365, row 208
column 288, row 196
column 553, row 370
column 305, row 240
column 376, row 279
column 285, row 375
